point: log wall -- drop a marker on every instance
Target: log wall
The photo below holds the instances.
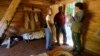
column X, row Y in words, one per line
column 92, row 25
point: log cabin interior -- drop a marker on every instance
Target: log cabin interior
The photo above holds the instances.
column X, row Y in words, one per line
column 28, row 16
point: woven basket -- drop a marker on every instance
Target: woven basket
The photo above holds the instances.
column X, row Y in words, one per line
column 62, row 53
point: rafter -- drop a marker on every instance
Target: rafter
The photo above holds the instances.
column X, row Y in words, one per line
column 11, row 10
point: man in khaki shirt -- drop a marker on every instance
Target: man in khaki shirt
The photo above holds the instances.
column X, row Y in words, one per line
column 76, row 26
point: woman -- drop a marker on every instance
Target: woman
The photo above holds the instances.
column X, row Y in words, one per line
column 48, row 31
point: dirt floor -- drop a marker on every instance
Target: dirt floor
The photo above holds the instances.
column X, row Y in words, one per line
column 35, row 47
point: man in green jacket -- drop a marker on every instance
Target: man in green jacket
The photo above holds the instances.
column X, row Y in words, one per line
column 76, row 26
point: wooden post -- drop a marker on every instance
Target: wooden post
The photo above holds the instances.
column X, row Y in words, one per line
column 27, row 20
column 32, row 23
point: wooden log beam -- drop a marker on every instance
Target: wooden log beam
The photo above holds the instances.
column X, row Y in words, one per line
column 11, row 10
column 35, row 3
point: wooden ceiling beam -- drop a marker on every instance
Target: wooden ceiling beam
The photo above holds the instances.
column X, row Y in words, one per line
column 35, row 2
column 11, row 10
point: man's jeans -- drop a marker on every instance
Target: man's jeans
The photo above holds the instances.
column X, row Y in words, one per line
column 76, row 41
column 61, row 29
column 48, row 38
